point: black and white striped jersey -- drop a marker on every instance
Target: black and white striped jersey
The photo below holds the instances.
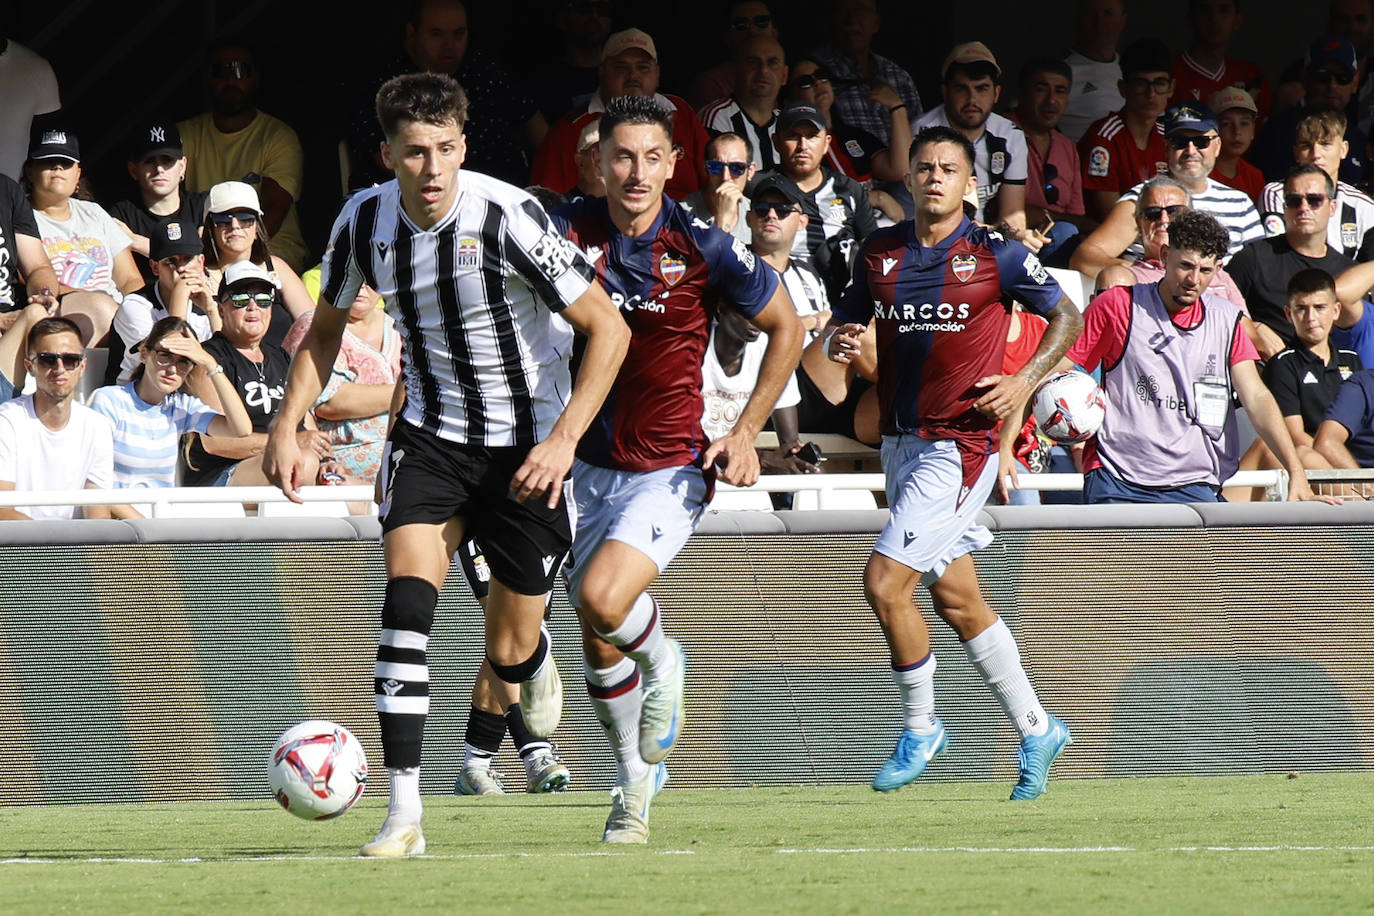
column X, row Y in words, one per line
column 725, row 115
column 475, row 297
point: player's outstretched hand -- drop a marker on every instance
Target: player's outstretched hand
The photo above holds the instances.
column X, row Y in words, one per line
column 283, row 464
column 843, row 344
column 735, row 459
column 1004, row 394
column 544, row 470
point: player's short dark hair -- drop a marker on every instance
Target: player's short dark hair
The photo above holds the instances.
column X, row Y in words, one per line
column 635, row 110
column 1298, row 171
column 429, row 98
column 1311, row 280
column 973, row 71
column 1043, row 65
column 1146, row 55
column 46, row 327
column 941, row 134
column 1193, row 230
column 715, row 141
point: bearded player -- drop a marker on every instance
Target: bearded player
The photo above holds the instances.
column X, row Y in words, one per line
column 645, row 469
column 941, row 290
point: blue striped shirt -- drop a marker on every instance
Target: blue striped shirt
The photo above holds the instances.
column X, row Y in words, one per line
column 146, row 435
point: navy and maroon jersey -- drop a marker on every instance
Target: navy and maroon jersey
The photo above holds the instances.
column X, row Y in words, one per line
column 942, row 318
column 667, row 284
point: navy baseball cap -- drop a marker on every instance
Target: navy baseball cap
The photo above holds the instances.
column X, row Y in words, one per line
column 1331, row 49
column 800, row 113
column 1193, row 116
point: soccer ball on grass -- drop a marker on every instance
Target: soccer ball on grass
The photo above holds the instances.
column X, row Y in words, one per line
column 317, row 770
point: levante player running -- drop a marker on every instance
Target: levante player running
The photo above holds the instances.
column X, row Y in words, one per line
column 941, row 289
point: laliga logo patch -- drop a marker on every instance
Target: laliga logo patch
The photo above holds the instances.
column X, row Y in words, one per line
column 174, row 232
column 469, row 253
column 963, row 265
column 854, row 149
column 671, row 267
column 1099, row 161
column 998, row 165
column 1349, row 235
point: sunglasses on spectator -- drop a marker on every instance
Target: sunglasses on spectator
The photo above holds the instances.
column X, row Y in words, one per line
column 1051, row 172
column 716, row 167
column 243, row 300
column 1154, row 213
column 745, row 23
column 1160, row 85
column 764, row 208
column 1339, row 77
column 166, row 357
column 1199, row 142
column 810, row 80
column 231, row 70
column 245, row 218
column 69, row 361
column 1295, row 201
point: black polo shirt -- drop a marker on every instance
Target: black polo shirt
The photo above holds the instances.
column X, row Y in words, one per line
column 1262, row 269
column 1303, row 385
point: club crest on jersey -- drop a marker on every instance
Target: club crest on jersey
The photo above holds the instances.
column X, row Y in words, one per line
column 671, row 267
column 837, row 208
column 963, row 266
column 854, row 149
column 998, row 163
column 469, row 253
column 1349, row 235
column 173, row 232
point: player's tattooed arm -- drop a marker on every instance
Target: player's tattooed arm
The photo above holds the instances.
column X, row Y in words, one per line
column 1005, row 393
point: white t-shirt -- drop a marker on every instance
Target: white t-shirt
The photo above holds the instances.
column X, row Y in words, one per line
column 146, row 435
column 724, row 396
column 29, row 87
column 136, row 316
column 83, row 247
column 1093, row 95
column 999, row 154
column 33, row 457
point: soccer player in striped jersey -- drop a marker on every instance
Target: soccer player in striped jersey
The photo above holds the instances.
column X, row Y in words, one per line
column 486, row 294
column 645, row 470
column 941, row 290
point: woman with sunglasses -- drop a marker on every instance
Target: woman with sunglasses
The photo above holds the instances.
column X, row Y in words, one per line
column 152, row 411
column 854, row 151
column 233, row 232
column 87, row 248
column 352, row 408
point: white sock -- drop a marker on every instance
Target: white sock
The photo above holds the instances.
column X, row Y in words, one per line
column 474, row 757
column 994, row 653
column 640, row 636
column 917, row 687
column 616, row 693
column 405, row 793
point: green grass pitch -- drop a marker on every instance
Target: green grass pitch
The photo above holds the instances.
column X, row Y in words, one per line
column 1263, row 844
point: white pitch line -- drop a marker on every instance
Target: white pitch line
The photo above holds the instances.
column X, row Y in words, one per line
column 195, row 860
column 1053, row 850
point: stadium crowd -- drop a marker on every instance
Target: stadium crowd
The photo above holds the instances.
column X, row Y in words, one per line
column 155, row 332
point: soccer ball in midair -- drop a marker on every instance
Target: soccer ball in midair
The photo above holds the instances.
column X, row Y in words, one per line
column 1069, row 407
column 317, row 770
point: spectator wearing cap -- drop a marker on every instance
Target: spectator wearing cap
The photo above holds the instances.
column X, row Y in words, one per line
column 837, row 207
column 568, row 79
column 1263, row 267
column 590, row 182
column 744, row 20
column 1319, row 140
column 850, row 57
column 1328, row 80
column 1192, row 144
column 158, row 405
column 258, row 370
column 752, row 110
column 1095, row 90
column 235, row 141
column 773, row 219
column 1206, row 69
column 1352, row 20
column 157, row 165
column 970, row 89
column 231, row 234
column 503, row 126
column 180, row 289
column 1054, row 178
column 1237, row 117
column 1127, row 146
column 629, row 66
column 29, row 88
column 49, row 440
column 722, row 200
column 87, row 249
